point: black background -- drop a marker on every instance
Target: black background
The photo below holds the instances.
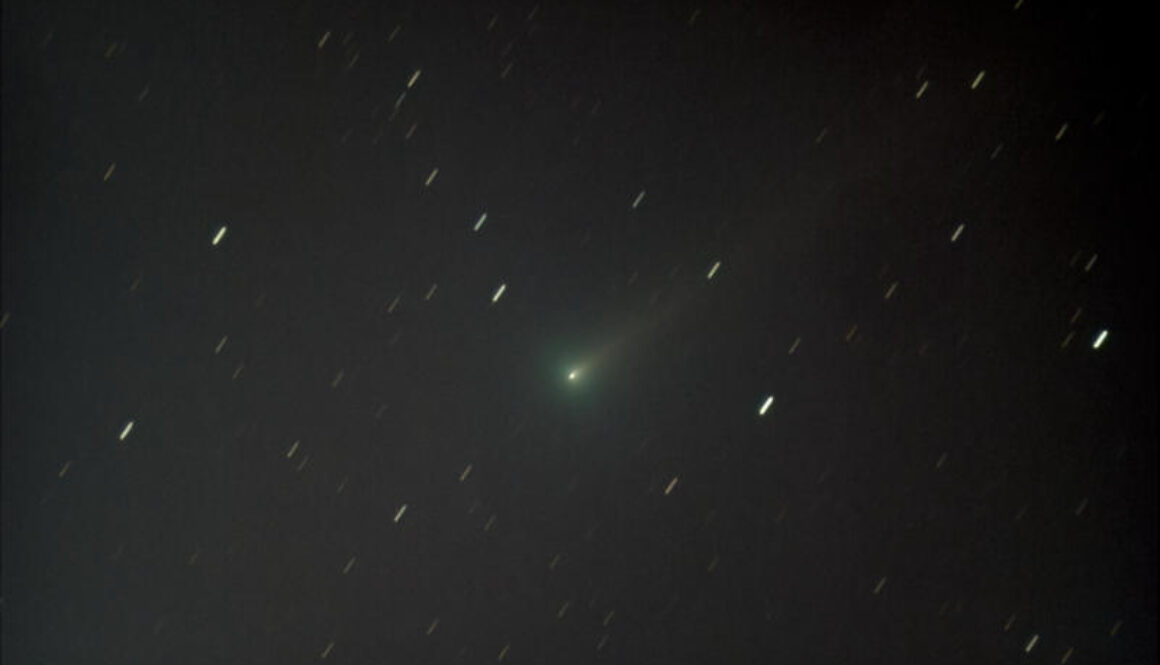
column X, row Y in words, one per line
column 939, row 479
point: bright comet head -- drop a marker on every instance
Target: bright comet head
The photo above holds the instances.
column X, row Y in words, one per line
column 573, row 375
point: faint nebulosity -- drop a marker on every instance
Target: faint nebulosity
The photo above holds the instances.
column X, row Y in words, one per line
column 581, row 331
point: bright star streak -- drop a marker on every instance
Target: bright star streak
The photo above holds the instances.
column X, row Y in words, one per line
column 765, row 405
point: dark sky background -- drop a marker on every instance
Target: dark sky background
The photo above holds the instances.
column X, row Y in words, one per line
column 323, row 438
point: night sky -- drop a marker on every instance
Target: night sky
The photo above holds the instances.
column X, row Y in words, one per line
column 636, row 332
